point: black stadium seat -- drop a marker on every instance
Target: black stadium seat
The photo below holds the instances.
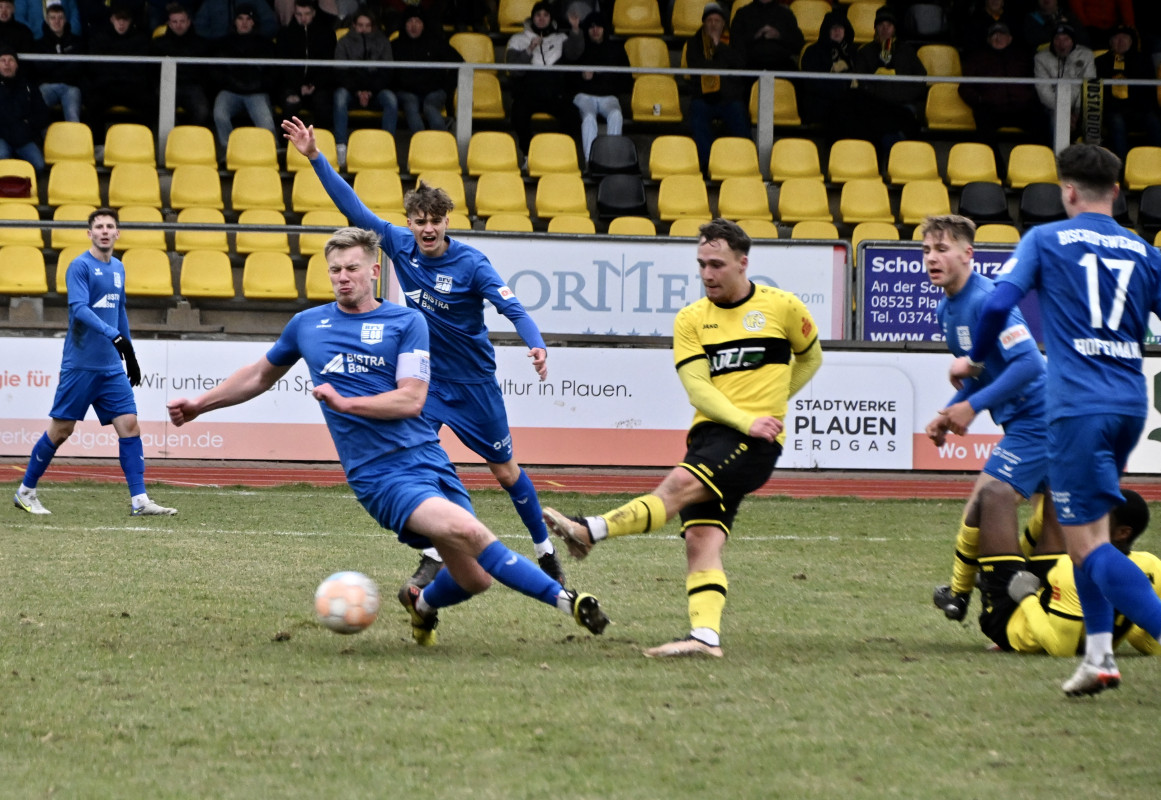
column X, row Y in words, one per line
column 621, row 196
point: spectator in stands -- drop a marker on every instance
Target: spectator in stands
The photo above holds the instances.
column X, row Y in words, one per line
column 394, row 11
column 829, row 101
column 1100, row 17
column 311, row 36
column 180, row 40
column 342, row 10
column 1063, row 58
column 214, row 19
column 980, row 20
column 1040, row 23
column 597, row 89
column 715, row 96
column 364, row 87
column 768, row 35
column 33, row 13
column 423, row 93
column 60, row 82
column 244, row 87
column 1147, row 13
column 1128, row 108
column 13, row 32
column 124, row 83
column 1007, row 104
column 541, row 44
column 888, row 111
column 23, row 114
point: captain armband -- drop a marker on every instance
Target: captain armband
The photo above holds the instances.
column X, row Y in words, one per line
column 416, row 364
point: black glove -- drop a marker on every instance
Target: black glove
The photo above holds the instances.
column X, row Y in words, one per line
column 125, row 349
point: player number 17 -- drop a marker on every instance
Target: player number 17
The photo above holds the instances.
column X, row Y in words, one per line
column 1124, row 270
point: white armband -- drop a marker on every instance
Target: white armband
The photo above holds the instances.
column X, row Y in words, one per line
column 416, row 364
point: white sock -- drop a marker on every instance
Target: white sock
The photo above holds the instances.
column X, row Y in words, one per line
column 139, row 500
column 543, row 548
column 25, row 490
column 431, row 552
column 564, row 602
column 707, row 635
column 598, row 528
column 421, row 605
column 1097, row 646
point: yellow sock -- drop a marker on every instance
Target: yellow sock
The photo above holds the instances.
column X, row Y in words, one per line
column 707, row 597
column 965, row 566
column 640, row 515
column 1032, row 529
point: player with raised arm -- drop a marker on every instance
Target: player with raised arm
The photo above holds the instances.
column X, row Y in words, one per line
column 448, row 281
column 91, row 374
column 1011, row 389
column 741, row 352
column 369, row 364
column 1097, row 284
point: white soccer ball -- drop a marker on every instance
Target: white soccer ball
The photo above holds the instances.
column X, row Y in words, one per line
column 347, row 602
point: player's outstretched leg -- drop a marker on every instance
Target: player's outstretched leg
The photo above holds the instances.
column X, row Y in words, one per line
column 573, row 530
column 527, row 505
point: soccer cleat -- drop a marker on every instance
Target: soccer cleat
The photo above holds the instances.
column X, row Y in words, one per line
column 28, row 501
column 574, row 531
column 689, row 646
column 1093, row 679
column 550, row 565
column 152, row 509
column 422, row 627
column 587, row 612
column 424, row 574
column 953, row 605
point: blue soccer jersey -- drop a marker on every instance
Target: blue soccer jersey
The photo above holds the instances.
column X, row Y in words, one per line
column 450, row 290
column 96, row 314
column 1097, row 284
column 357, row 355
column 957, row 316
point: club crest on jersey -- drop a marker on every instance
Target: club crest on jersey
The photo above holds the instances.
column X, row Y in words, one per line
column 963, row 334
column 754, row 321
column 443, row 283
column 372, row 333
column 117, row 279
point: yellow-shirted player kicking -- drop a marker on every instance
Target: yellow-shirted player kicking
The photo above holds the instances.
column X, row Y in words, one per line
column 741, row 352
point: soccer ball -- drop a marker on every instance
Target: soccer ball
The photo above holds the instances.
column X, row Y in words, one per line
column 347, row 602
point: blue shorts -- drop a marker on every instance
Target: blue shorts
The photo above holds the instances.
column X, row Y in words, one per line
column 405, row 479
column 109, row 393
column 1020, row 459
column 475, row 413
column 1088, row 455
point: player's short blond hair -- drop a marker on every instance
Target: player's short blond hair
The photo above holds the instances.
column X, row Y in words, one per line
column 346, row 238
column 951, row 226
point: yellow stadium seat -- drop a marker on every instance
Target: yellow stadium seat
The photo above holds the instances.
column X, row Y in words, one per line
column 912, row 161
column 450, row 182
column 251, row 147
column 759, row 228
column 190, row 144
column 571, row 223
column 17, row 168
column 318, row 279
column 744, row 198
column 649, row 51
column 257, row 187
column 371, row 148
column 307, row 193
column 325, row 140
column 147, row 273
column 500, row 193
column 687, row 226
column 873, row 230
column 861, row 15
column 552, row 152
column 207, row 273
column 380, row 189
column 655, row 99
column 186, row 240
column 129, row 143
column 1143, row 167
column 73, row 182
column 865, row 200
column 921, row 199
column 132, row 184
column 686, row 17
column 673, row 155
column 512, row 13
column 852, row 159
column 433, row 150
column 65, row 257
column 785, row 104
column 487, row 97
column 195, row 186
column 268, row 276
column 131, row 238
column 971, row 162
column 637, row 18
column 30, row 236
column 803, row 199
column 311, row 243
column 1031, row 163
column 940, row 60
column 492, row 151
column 733, row 157
column 514, row 223
column 558, row 194
column 458, row 222
column 474, row 48
column 22, row 271
column 996, row 233
column 682, row 196
column 71, row 237
column 814, row 229
column 794, row 158
column 68, row 141
column 247, row 242
column 632, row 226
column 809, row 14
column 946, row 110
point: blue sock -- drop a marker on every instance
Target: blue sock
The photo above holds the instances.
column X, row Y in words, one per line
column 444, row 591
column 42, row 453
column 523, row 495
column 132, row 456
column 1125, row 586
column 1098, row 611
column 517, row 572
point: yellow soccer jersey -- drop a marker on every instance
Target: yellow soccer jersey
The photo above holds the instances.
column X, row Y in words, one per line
column 749, row 347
